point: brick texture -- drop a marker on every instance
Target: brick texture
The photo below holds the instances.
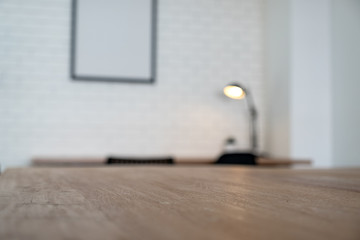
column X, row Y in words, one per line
column 202, row 46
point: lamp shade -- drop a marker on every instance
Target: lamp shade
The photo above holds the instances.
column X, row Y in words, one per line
column 234, row 91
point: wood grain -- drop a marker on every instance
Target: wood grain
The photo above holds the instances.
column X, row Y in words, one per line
column 162, row 202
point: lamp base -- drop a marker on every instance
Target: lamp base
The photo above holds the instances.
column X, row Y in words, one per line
column 237, row 158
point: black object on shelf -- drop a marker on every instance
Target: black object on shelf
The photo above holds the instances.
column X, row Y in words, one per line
column 237, row 158
column 121, row 160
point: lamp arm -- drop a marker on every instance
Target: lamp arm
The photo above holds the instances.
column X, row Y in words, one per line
column 253, row 122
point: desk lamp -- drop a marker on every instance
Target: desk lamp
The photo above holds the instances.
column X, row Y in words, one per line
column 238, row 92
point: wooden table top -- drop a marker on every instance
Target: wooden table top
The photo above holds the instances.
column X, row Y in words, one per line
column 91, row 161
column 163, row 202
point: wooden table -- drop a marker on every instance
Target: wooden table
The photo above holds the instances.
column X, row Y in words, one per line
column 91, row 161
column 162, row 202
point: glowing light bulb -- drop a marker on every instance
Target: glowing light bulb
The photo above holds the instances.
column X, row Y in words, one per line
column 234, row 92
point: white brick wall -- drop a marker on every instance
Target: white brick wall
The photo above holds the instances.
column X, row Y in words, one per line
column 202, row 46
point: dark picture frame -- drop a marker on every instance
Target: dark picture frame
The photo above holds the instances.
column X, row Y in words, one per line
column 73, row 56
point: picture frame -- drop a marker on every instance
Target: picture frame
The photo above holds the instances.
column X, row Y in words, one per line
column 113, row 40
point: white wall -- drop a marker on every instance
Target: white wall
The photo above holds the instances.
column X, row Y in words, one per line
column 310, row 81
column 346, row 81
column 277, row 45
column 298, row 74
column 202, row 45
column 317, row 89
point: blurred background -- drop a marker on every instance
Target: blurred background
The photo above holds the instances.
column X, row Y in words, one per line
column 299, row 58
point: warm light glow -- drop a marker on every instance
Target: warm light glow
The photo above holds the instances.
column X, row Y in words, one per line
column 234, row 92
